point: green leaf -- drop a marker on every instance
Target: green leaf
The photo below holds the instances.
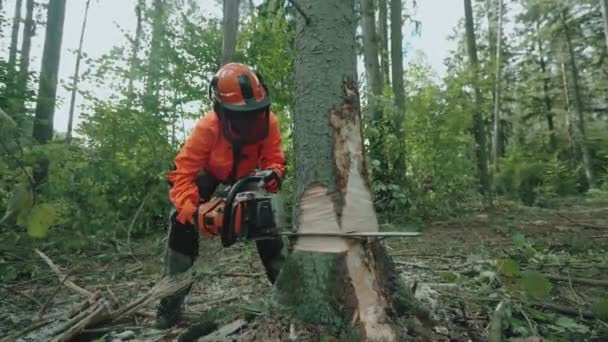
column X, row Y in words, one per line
column 536, row 284
column 40, row 219
column 571, row 325
column 600, row 309
column 20, row 201
column 519, row 240
column 508, row 267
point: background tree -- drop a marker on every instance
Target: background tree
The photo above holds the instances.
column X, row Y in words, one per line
column 397, row 79
column 231, row 26
column 497, row 148
column 478, row 124
column 47, row 90
column 20, row 94
column 383, row 40
column 12, row 52
column 76, row 74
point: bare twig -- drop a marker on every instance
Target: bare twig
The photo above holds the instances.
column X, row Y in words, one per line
column 470, row 330
column 232, row 274
column 99, row 313
column 584, row 281
column 132, row 224
column 52, row 296
column 67, row 282
column 25, row 295
column 27, row 330
column 205, row 301
column 566, row 310
column 582, row 224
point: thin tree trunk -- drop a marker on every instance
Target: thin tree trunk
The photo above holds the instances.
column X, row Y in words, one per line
column 398, row 87
column 12, row 52
column 567, row 108
column 230, row 28
column 547, row 99
column 152, row 100
column 346, row 285
column 383, row 34
column 605, row 19
column 496, row 144
column 478, row 125
column 24, row 63
column 76, row 74
column 139, row 8
column 579, row 127
column 370, row 52
column 47, row 90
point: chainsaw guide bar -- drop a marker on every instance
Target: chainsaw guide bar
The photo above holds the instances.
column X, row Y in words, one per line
column 348, row 235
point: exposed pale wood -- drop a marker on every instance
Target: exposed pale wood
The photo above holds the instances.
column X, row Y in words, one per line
column 70, row 284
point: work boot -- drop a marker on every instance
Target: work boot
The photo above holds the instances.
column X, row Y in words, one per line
column 170, row 307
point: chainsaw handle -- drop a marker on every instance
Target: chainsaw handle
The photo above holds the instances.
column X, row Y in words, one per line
column 228, row 238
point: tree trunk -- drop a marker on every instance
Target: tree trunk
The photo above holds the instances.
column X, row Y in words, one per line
column 12, row 52
column 47, row 89
column 383, row 29
column 398, row 87
column 478, row 125
column 136, row 45
column 230, row 28
column 496, row 143
column 152, row 101
column 567, row 107
column 579, row 127
column 546, row 97
column 605, row 17
column 343, row 284
column 370, row 53
column 24, row 63
column 77, row 73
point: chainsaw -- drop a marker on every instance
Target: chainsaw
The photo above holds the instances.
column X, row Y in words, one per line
column 246, row 215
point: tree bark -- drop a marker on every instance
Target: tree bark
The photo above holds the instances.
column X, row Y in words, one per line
column 230, row 28
column 496, row 143
column 398, row 86
column 345, row 285
column 579, row 126
column 605, row 19
column 77, row 73
column 136, row 45
column 567, row 107
column 152, row 101
column 12, row 52
column 478, row 125
column 383, row 29
column 24, row 63
column 47, row 89
column 370, row 53
column 547, row 99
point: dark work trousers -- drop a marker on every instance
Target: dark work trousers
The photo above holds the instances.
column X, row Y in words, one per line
column 184, row 238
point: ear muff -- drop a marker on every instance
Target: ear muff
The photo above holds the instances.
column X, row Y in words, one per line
column 213, row 88
column 261, row 79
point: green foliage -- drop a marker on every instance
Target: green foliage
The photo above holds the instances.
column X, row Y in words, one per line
column 535, row 284
column 600, row 309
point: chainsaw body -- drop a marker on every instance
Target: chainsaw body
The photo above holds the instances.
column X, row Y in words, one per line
column 242, row 215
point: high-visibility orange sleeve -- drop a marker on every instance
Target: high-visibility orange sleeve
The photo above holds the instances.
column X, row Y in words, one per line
column 192, row 158
column 272, row 156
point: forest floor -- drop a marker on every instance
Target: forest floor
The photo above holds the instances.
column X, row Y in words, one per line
column 544, row 269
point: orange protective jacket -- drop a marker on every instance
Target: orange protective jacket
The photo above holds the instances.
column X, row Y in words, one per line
column 207, row 149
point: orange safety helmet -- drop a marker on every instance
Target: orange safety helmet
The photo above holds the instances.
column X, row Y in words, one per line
column 241, row 101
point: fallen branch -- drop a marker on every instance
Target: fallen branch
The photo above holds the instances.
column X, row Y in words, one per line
column 470, row 330
column 99, row 314
column 582, row 224
column 566, row 310
column 585, row 281
column 232, row 274
column 202, row 300
column 59, row 274
column 25, row 295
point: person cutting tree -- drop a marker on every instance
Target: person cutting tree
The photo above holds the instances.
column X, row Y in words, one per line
column 238, row 138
